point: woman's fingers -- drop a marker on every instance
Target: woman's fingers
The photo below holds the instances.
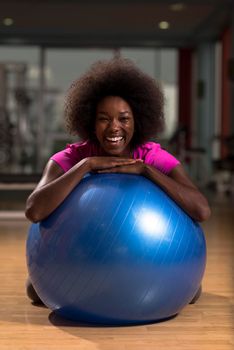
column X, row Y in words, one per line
column 100, row 163
column 136, row 168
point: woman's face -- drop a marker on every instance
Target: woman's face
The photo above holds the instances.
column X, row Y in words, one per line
column 114, row 126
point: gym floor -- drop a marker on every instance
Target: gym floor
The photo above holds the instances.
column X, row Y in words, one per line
column 208, row 324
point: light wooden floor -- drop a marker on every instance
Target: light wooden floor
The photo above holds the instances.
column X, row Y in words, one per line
column 206, row 325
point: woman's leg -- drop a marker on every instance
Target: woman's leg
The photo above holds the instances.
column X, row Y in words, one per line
column 196, row 296
column 31, row 293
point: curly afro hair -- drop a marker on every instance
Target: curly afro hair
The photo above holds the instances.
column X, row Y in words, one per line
column 115, row 77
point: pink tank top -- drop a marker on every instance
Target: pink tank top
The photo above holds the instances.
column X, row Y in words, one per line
column 151, row 153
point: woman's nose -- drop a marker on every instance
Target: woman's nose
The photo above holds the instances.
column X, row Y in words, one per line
column 114, row 124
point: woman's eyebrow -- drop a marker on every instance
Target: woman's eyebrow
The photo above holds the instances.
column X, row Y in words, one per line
column 124, row 112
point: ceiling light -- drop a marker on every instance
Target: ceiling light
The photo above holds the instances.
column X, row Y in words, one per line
column 179, row 6
column 8, row 21
column 164, row 25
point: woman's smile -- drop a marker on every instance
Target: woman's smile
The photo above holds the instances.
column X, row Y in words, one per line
column 114, row 139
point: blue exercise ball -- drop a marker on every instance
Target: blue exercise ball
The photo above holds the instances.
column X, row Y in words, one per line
column 119, row 251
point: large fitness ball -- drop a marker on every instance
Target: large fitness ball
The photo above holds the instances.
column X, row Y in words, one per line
column 118, row 250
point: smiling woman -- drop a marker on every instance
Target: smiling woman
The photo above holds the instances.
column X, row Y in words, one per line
column 116, row 109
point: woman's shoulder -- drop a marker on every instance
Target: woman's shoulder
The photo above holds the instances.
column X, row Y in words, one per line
column 73, row 153
column 153, row 154
column 80, row 147
column 145, row 148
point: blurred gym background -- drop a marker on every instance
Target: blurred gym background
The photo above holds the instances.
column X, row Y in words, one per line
column 44, row 45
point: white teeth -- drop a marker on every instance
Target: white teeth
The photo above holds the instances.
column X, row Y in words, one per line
column 115, row 139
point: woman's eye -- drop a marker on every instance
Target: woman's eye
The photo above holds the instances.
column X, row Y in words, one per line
column 124, row 119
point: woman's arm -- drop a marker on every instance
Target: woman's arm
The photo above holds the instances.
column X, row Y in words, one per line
column 177, row 185
column 52, row 189
column 182, row 190
column 55, row 185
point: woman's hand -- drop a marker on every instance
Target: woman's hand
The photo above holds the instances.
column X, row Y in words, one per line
column 107, row 164
column 138, row 168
